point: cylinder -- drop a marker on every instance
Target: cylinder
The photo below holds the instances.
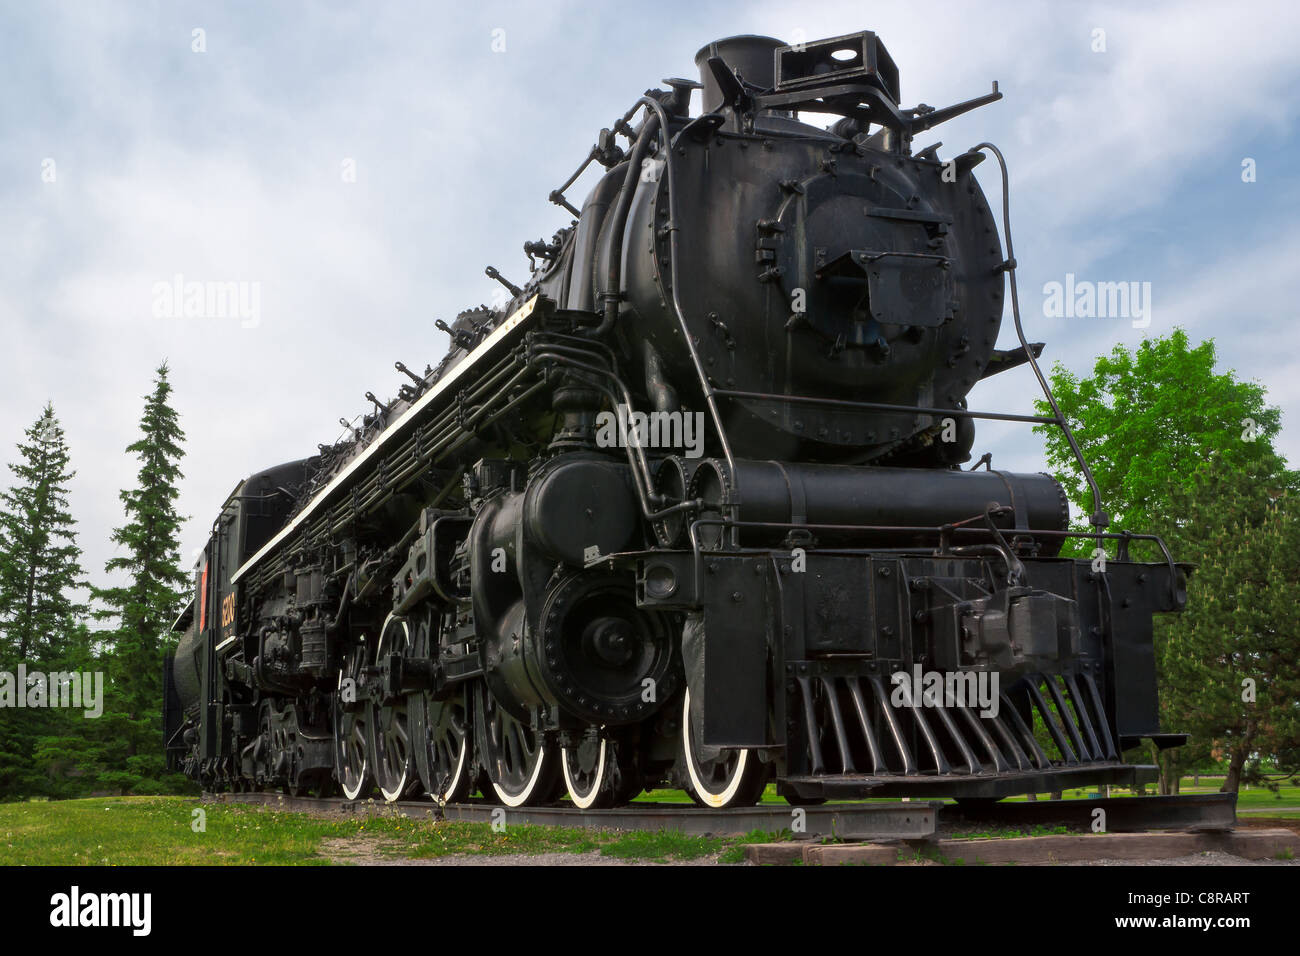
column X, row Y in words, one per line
column 791, row 494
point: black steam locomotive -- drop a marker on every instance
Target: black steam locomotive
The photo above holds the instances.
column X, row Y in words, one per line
column 687, row 508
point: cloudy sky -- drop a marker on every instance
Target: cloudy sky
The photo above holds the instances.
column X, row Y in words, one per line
column 358, row 165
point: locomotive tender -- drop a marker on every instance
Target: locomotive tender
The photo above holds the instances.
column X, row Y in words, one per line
column 478, row 590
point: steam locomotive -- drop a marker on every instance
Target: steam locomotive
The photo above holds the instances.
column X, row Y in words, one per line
column 687, row 508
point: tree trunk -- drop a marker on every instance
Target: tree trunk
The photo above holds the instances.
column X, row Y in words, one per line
column 1238, row 759
column 1232, row 782
column 26, row 635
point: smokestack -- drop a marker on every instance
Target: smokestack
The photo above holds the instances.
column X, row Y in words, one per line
column 751, row 56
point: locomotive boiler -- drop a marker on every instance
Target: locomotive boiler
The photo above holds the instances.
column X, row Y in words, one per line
column 687, row 508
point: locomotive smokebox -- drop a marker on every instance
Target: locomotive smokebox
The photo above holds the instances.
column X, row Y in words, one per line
column 750, row 56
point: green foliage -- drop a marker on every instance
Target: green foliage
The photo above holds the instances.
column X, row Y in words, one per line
column 40, row 568
column 1231, row 664
column 59, row 751
column 1187, row 452
column 1145, row 421
column 40, row 575
column 147, row 604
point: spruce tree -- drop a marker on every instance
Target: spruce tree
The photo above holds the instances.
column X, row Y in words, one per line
column 146, row 605
column 40, row 569
column 40, row 575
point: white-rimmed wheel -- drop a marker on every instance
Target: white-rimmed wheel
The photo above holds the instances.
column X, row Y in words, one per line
column 392, row 758
column 597, row 773
column 523, row 769
column 719, row 778
column 442, row 748
column 351, row 728
column 440, row 729
column 586, row 768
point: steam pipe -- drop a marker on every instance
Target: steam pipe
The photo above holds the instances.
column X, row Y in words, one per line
column 614, row 277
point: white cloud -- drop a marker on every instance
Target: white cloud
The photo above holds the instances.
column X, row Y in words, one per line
column 225, row 166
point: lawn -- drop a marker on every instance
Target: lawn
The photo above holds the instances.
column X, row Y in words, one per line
column 132, row 831
column 126, row 831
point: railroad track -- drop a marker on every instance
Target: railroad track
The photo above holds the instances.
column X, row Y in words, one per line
column 849, row 821
column 873, row 822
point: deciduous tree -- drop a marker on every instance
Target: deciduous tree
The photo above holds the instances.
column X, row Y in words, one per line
column 1186, row 451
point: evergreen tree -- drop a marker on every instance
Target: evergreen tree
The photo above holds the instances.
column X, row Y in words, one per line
column 67, row 758
column 147, row 604
column 40, row 569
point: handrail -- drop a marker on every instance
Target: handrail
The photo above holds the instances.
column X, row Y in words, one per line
column 1099, row 517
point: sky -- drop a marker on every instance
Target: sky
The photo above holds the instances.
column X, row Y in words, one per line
column 353, row 168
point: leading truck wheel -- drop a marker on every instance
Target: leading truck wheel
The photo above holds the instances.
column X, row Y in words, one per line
column 719, row 778
column 599, row 773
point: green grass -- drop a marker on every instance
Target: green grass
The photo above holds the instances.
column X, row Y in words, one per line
column 132, row 831
column 124, row 831
column 1008, row 833
column 1255, row 798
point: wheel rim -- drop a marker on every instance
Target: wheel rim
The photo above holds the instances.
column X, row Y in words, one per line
column 441, row 731
column 519, row 763
column 393, row 758
column 442, row 754
column 586, row 767
column 351, row 731
column 716, row 782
